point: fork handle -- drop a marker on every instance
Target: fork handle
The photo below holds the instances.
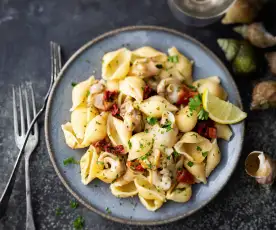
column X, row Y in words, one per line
column 29, row 210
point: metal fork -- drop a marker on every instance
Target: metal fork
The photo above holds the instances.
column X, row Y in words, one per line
column 31, row 143
column 55, row 69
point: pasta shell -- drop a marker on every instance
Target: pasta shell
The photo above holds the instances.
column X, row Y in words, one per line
column 185, row 120
column 155, row 106
column 116, row 64
column 192, row 146
column 223, row 131
column 79, row 121
column 127, row 190
column 197, row 170
column 213, row 158
column 117, row 132
column 141, row 144
column 180, row 193
column 133, row 87
column 113, row 85
column 149, row 52
column 112, row 167
column 213, row 86
column 96, row 129
column 89, row 165
column 150, row 204
column 184, row 65
column 162, row 180
column 147, row 190
column 126, row 178
column 70, row 138
column 91, row 113
column 144, row 68
column 80, row 92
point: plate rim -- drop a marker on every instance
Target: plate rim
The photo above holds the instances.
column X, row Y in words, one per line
column 49, row 103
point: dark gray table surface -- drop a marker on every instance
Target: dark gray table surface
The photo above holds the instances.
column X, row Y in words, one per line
column 27, row 26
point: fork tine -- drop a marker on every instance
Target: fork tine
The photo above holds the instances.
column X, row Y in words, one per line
column 27, row 107
column 22, row 121
column 15, row 121
column 34, row 110
column 56, row 59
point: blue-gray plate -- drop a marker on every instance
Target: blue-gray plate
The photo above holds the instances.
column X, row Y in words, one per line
column 86, row 62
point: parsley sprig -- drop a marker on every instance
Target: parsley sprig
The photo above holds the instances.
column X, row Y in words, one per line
column 195, row 103
column 152, row 120
column 70, row 160
column 173, row 59
column 167, row 126
column 78, row 223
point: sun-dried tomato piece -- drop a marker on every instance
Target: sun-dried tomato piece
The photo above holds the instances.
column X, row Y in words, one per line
column 109, row 95
column 185, row 177
column 147, row 92
column 184, row 95
column 115, row 111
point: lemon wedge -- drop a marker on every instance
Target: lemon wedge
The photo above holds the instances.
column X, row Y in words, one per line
column 220, row 111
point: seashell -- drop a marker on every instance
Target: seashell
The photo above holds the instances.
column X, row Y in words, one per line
column 257, row 35
column 261, row 167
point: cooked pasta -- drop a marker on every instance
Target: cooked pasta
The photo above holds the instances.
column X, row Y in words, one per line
column 144, row 123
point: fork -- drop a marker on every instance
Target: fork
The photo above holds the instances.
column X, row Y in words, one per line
column 30, row 145
column 55, row 69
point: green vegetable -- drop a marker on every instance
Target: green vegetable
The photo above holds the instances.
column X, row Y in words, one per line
column 204, row 154
column 190, row 164
column 230, row 47
column 87, row 93
column 73, row 204
column 198, row 148
column 152, row 120
column 173, row 59
column 74, row 84
column 144, row 157
column 129, row 144
column 70, row 160
column 203, row 115
column 167, row 126
column 108, row 210
column 78, row 223
column 58, row 211
column 195, row 102
column 176, row 154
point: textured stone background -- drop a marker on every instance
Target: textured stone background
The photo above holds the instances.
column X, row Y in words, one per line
column 27, row 26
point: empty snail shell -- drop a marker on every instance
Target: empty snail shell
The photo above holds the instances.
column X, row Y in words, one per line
column 261, row 167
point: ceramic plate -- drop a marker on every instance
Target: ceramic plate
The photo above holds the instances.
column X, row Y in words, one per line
column 86, row 62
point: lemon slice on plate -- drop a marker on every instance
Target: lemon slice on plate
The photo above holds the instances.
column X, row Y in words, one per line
column 220, row 111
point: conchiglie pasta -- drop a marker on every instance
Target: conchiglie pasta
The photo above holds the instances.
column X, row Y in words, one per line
column 155, row 106
column 149, row 52
column 89, row 165
column 223, row 131
column 116, row 64
column 196, row 169
column 70, row 138
column 117, row 132
column 127, row 190
column 80, row 92
column 193, row 146
column 112, row 85
column 141, row 144
column 183, row 65
column 185, row 119
column 213, row 86
column 133, row 87
column 96, row 129
column 112, row 167
column 213, row 158
column 180, row 193
column 150, row 204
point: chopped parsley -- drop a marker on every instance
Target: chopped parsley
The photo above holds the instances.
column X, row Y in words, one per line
column 167, row 126
column 108, row 210
column 203, row 115
column 73, row 204
column 146, row 130
column 168, row 157
column 73, row 84
column 78, row 223
column 87, row 93
column 144, row 157
column 70, row 160
column 204, row 154
column 190, row 164
column 198, row 148
column 58, row 211
column 195, row 103
column 192, row 87
column 100, row 162
column 176, row 154
column 173, row 59
column 159, row 66
column 129, row 144
column 152, row 120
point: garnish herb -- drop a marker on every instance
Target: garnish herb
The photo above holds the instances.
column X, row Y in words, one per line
column 159, row 66
column 73, row 84
column 100, row 162
column 78, row 223
column 167, row 126
column 87, row 93
column 198, row 148
column 203, row 115
column 152, row 120
column 175, row 154
column 204, row 154
column 146, row 155
column 196, row 103
column 192, row 87
column 73, row 204
column 129, row 144
column 58, row 211
column 108, row 210
column 190, row 164
column 173, row 59
column 70, row 160
column 168, row 157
